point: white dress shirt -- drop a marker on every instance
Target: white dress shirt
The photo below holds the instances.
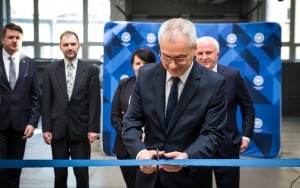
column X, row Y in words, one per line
column 16, row 59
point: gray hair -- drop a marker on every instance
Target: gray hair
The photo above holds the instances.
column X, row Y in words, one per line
column 177, row 27
column 210, row 39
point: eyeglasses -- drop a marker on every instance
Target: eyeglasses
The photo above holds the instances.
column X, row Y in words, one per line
column 177, row 60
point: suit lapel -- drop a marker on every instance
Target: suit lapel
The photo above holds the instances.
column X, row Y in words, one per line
column 3, row 75
column 61, row 77
column 23, row 69
column 189, row 89
column 80, row 73
column 221, row 70
column 159, row 85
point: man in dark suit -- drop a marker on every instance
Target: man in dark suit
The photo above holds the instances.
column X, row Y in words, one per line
column 207, row 54
column 196, row 128
column 20, row 102
column 71, row 109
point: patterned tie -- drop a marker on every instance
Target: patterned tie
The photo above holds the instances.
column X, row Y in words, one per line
column 173, row 98
column 70, row 79
column 12, row 73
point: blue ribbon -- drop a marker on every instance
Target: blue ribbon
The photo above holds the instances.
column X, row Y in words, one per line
column 132, row 162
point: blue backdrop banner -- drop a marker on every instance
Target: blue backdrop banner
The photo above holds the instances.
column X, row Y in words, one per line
column 253, row 48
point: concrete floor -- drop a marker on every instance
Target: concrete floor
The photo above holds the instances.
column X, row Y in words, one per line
column 110, row 177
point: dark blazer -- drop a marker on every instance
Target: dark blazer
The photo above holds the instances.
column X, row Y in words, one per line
column 20, row 106
column 197, row 126
column 236, row 94
column 81, row 114
column 118, row 109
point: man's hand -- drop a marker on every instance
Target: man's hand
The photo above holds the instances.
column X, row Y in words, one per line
column 92, row 137
column 28, row 133
column 244, row 145
column 149, row 154
column 47, row 137
column 174, row 155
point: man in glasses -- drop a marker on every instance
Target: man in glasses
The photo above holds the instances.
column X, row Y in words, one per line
column 184, row 106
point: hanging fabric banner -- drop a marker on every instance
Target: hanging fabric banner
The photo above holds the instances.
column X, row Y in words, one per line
column 253, row 48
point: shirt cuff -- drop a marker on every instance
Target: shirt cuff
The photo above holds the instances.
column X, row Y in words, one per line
column 137, row 156
column 246, row 138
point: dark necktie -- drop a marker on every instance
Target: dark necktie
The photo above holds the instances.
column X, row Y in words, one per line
column 12, row 73
column 173, row 98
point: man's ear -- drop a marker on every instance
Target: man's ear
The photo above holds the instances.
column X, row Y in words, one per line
column 218, row 54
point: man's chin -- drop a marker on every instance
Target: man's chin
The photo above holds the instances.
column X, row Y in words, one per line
column 12, row 50
column 71, row 56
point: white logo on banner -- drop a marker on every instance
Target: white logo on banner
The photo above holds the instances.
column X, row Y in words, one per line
column 151, row 38
column 125, row 38
column 259, row 38
column 231, row 39
column 258, row 123
column 258, row 82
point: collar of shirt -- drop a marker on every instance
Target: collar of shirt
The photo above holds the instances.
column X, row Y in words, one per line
column 181, row 84
column 74, row 62
column 183, row 77
column 215, row 68
column 15, row 56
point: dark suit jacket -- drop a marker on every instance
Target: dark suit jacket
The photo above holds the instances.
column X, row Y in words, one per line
column 81, row 114
column 118, row 109
column 197, row 127
column 236, row 94
column 20, row 106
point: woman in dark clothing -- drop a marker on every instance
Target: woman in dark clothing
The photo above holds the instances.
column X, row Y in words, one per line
column 120, row 104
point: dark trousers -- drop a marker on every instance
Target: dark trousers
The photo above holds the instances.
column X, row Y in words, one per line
column 128, row 172
column 64, row 149
column 159, row 183
column 201, row 178
column 12, row 146
column 227, row 176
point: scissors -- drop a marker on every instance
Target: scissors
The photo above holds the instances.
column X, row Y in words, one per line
column 157, row 158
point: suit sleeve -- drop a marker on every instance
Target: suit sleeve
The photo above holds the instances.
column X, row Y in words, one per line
column 133, row 123
column 34, row 98
column 246, row 107
column 116, row 115
column 94, row 101
column 46, row 102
